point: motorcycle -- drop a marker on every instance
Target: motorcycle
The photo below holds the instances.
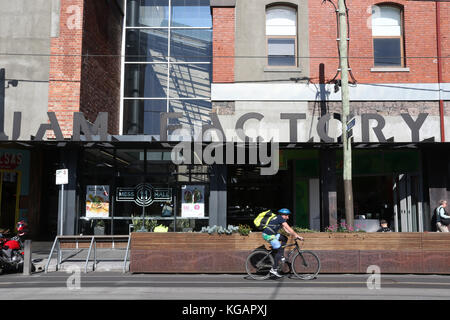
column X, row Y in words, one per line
column 12, row 250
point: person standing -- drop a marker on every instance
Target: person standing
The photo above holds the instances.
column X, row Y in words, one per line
column 384, row 226
column 442, row 218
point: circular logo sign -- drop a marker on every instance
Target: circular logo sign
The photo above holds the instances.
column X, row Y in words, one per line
column 143, row 195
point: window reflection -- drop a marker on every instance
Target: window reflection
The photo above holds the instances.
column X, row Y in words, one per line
column 192, row 13
column 147, row 13
column 146, row 45
column 191, row 45
column 154, row 77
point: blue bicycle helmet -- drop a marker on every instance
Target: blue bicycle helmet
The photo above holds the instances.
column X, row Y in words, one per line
column 284, row 211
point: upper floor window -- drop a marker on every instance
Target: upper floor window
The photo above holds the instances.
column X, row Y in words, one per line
column 281, row 34
column 387, row 36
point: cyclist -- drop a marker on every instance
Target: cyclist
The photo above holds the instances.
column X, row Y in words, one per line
column 276, row 240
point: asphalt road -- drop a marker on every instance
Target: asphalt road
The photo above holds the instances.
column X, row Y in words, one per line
column 76, row 285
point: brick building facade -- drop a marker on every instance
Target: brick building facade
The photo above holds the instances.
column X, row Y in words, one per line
column 269, row 68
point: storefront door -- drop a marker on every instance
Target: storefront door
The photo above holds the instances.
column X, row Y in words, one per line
column 408, row 211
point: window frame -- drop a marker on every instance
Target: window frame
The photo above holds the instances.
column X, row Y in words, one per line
column 295, row 37
column 401, row 37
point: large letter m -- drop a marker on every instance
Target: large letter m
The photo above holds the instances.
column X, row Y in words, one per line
column 100, row 126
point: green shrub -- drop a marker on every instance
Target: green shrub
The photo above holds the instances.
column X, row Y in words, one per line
column 244, row 229
column 303, row 230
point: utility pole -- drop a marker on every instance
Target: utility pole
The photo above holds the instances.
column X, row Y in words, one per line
column 346, row 141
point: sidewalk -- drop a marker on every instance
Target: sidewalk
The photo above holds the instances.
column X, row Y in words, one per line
column 107, row 259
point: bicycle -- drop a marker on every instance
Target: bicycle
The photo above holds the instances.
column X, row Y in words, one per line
column 304, row 264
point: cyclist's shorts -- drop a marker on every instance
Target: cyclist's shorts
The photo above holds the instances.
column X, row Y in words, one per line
column 272, row 239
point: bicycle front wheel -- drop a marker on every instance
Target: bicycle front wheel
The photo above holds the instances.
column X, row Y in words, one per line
column 258, row 264
column 305, row 265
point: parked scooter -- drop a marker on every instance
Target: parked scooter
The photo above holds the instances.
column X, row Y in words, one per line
column 12, row 250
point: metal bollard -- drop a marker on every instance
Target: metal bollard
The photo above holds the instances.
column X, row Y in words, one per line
column 27, row 258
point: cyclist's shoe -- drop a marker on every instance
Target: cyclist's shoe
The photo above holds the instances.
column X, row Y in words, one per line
column 283, row 260
column 275, row 273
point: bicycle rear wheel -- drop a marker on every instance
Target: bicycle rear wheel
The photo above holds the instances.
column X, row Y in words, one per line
column 305, row 265
column 258, row 264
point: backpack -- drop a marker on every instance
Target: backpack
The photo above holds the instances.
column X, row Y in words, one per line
column 437, row 217
column 263, row 219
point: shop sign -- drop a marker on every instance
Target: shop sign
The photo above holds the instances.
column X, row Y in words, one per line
column 143, row 194
column 292, row 120
column 10, row 160
column 62, row 176
column 193, row 201
column 97, row 201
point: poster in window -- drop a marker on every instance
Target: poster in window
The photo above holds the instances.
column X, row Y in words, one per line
column 193, row 201
column 97, row 201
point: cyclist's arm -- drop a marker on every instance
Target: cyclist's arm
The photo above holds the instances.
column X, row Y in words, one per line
column 289, row 230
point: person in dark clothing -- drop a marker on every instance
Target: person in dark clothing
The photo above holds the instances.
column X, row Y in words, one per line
column 442, row 218
column 276, row 240
column 384, row 226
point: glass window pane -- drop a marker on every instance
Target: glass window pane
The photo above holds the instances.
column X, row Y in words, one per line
column 191, row 13
column 143, row 116
column 129, row 161
column 281, row 52
column 191, row 45
column 195, row 114
column 147, row 13
column 190, row 81
column 145, row 80
column 281, row 47
column 152, row 115
column 281, row 21
column 386, row 21
column 387, row 52
column 146, row 45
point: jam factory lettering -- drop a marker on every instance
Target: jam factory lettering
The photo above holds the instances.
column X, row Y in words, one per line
column 99, row 128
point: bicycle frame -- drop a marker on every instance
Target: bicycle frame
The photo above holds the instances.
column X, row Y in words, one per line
column 295, row 245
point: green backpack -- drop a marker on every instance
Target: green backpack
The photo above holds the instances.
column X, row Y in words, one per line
column 263, row 219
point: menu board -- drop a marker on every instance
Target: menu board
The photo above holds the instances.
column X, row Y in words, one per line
column 193, row 201
column 97, row 201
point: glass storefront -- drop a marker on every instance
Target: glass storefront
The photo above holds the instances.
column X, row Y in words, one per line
column 124, row 190
column 249, row 193
column 136, row 189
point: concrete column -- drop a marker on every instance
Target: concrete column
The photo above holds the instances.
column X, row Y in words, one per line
column 328, row 188
column 218, row 196
column 68, row 199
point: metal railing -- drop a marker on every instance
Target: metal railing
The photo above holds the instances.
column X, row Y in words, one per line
column 92, row 240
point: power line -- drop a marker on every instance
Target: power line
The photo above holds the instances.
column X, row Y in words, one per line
column 205, row 57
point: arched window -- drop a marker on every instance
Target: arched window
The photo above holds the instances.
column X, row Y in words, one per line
column 281, row 34
column 387, row 34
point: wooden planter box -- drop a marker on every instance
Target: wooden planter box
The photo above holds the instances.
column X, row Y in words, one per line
column 338, row 252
